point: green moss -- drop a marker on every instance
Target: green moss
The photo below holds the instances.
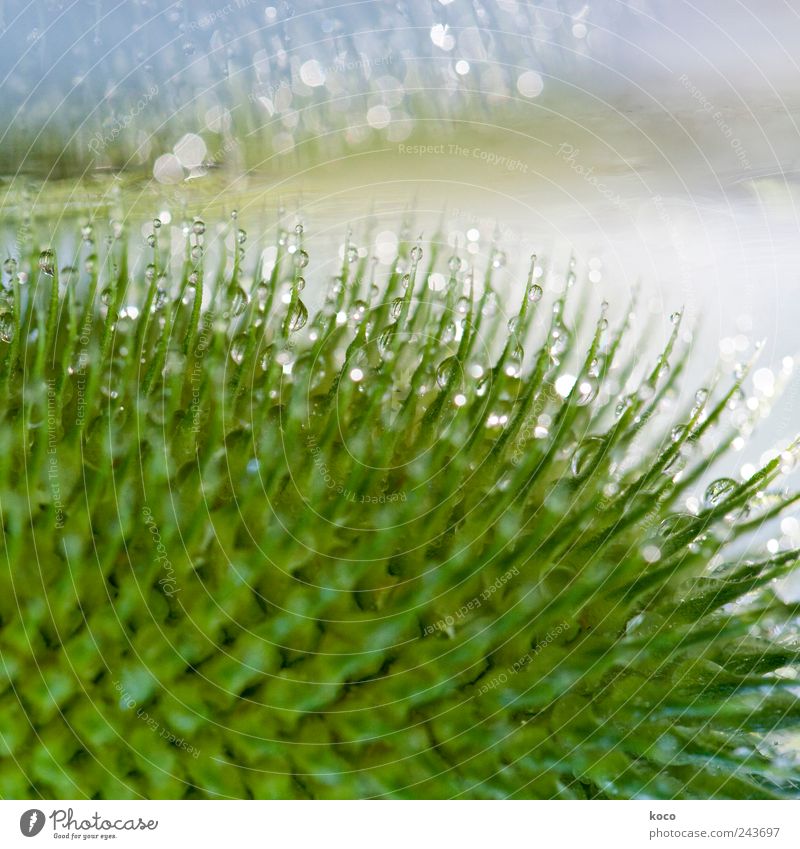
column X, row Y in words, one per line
column 383, row 551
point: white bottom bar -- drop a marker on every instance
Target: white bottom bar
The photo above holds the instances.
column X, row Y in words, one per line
column 402, row 825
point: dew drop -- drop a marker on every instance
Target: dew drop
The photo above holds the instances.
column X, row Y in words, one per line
column 535, row 293
column 159, row 299
column 238, row 348
column 238, row 299
column 676, row 524
column 199, row 227
column 718, row 489
column 298, row 316
column 385, row 339
column 586, row 454
column 396, row 307
column 47, row 262
column 445, row 370
column 300, row 259
column 7, row 327
column 677, row 433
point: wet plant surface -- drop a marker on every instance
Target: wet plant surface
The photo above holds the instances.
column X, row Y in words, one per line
column 408, row 544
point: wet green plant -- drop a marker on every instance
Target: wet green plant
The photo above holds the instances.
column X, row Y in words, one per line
column 409, row 544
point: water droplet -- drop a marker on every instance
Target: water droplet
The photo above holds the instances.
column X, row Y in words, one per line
column 300, row 284
column 106, row 295
column 454, row 264
column 298, row 229
column 10, row 266
column 300, row 259
column 587, row 392
column 150, row 271
column 47, row 262
column 7, row 327
column 675, row 317
column 359, row 310
column 86, row 232
column 677, row 523
column 238, row 348
column 449, row 332
column 677, row 433
column 535, row 293
column 197, row 253
column 498, row 259
column 298, row 316
column 718, row 489
column 622, row 406
column 788, row 461
column 241, row 236
column 513, row 324
column 558, row 341
column 586, row 454
column 151, row 240
column 701, row 395
column 645, row 392
column 416, row 253
column 156, row 223
column 352, row 254
column 396, row 307
column 445, row 370
column 238, row 300
column 385, row 339
column 199, row 227
column 159, row 299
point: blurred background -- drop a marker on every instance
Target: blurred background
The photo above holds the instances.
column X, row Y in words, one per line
column 657, row 142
